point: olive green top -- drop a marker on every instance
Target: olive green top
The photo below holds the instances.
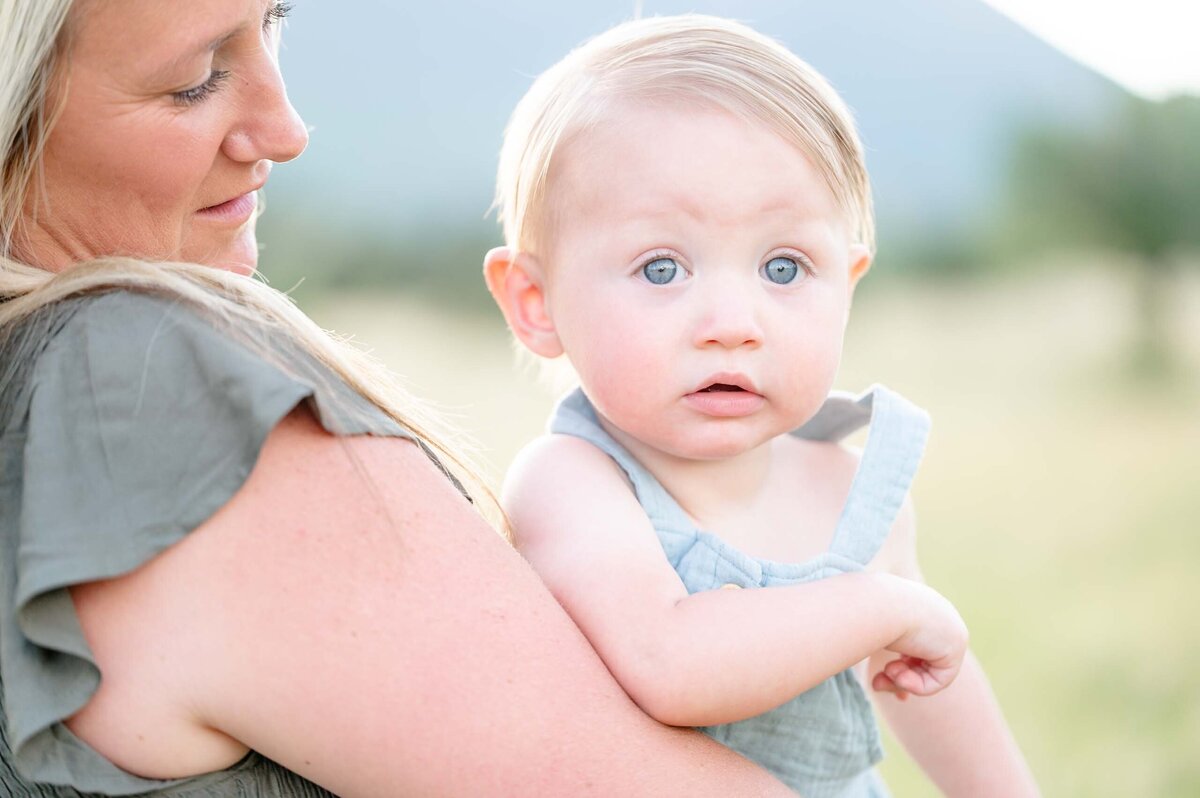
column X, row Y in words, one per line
column 126, row 420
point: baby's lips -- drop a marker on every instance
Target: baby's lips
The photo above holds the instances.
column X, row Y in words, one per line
column 729, row 379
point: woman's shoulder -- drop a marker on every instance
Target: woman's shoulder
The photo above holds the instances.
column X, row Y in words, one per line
column 100, row 338
column 138, row 418
column 133, row 421
column 127, row 333
column 150, row 417
column 120, row 318
column 131, row 381
column 147, row 351
column 125, row 322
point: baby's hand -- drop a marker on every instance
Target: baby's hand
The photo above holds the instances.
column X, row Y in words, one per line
column 931, row 652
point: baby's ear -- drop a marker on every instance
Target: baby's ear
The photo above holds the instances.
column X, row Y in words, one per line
column 859, row 263
column 515, row 282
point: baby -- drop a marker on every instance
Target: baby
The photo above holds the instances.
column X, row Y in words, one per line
column 687, row 213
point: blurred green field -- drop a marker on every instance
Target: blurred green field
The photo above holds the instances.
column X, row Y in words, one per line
column 1059, row 503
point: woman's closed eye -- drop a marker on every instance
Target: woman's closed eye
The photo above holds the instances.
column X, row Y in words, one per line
column 198, row 94
column 275, row 14
column 663, row 271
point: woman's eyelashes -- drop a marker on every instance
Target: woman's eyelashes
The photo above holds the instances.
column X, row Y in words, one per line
column 199, row 94
column 276, row 13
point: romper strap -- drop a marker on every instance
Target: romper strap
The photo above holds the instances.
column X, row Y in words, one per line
column 895, row 443
column 574, row 415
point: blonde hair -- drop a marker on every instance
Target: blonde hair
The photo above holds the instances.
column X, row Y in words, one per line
column 33, row 37
column 687, row 58
column 34, row 47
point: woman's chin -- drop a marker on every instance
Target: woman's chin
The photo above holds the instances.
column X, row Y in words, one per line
column 244, row 269
column 239, row 256
column 238, row 263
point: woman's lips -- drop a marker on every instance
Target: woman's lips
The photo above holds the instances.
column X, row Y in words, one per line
column 235, row 211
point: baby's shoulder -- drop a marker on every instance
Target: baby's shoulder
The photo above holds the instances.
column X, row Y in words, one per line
column 558, row 486
column 563, row 465
column 552, row 452
column 831, row 463
column 822, row 474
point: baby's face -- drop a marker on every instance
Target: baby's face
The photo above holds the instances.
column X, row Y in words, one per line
column 698, row 275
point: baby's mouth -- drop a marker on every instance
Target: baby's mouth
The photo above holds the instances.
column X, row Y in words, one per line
column 727, row 382
column 735, row 399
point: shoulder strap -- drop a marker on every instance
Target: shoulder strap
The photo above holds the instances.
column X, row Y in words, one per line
column 575, row 415
column 895, row 443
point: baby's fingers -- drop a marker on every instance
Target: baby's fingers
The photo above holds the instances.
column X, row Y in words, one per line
column 918, row 676
column 883, row 683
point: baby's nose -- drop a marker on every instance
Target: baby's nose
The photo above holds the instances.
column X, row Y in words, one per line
column 730, row 322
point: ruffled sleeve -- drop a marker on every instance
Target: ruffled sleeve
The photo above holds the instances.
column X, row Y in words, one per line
column 143, row 420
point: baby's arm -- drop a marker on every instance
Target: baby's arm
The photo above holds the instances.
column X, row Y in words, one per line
column 958, row 737
column 712, row 657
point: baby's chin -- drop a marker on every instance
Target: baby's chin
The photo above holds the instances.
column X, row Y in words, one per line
column 715, row 447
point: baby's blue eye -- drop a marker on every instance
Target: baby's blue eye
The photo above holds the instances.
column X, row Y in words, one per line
column 661, row 271
column 781, row 270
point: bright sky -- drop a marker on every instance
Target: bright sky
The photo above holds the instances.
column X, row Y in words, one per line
column 1151, row 47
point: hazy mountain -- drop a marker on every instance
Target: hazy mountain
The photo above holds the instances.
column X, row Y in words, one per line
column 408, row 100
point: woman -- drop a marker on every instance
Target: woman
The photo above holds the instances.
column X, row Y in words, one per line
column 211, row 583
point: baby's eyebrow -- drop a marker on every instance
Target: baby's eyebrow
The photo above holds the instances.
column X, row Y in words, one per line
column 795, row 207
column 785, row 204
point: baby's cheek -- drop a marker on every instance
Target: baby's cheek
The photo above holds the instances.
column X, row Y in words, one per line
column 624, row 372
column 623, row 348
column 812, row 374
column 624, row 377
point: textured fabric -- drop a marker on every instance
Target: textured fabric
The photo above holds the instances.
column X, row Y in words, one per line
column 127, row 421
column 824, row 743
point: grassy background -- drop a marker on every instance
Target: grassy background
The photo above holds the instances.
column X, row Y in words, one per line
column 1059, row 502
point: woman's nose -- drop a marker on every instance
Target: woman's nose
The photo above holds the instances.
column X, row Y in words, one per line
column 269, row 127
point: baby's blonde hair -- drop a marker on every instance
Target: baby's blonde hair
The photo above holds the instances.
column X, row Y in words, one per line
column 693, row 59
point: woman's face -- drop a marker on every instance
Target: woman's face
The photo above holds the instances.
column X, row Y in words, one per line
column 173, row 115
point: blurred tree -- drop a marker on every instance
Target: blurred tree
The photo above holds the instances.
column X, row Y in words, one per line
column 310, row 257
column 1133, row 185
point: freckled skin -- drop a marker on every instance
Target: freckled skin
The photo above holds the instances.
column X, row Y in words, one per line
column 129, row 166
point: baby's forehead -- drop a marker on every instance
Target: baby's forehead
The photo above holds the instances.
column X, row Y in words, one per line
column 645, row 159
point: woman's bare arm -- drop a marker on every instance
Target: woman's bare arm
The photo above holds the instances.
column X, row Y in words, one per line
column 348, row 615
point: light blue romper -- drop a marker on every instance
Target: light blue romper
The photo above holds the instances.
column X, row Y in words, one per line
column 823, row 743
